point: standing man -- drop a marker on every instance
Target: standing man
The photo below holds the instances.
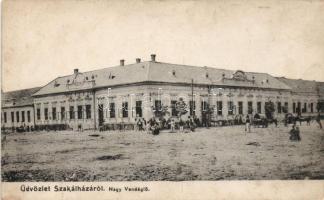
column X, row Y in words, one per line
column 247, row 124
column 292, row 132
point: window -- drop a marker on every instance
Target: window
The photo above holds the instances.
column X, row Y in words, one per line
column 17, row 116
column 230, row 107
column 12, row 117
column 219, row 108
column 80, row 112
column 298, row 110
column 240, row 107
column 38, row 114
column 320, row 107
column 139, row 108
column 259, row 106
column 112, row 110
column 250, row 107
column 72, row 112
column 88, row 111
column 305, row 108
column 279, row 107
column 294, row 107
column 62, row 113
column 158, row 108
column 54, row 113
column 5, row 117
column 173, row 108
column 286, row 108
column 204, row 106
column 192, row 106
column 28, row 115
column 22, row 116
column 46, row 113
column 311, row 107
column 125, row 109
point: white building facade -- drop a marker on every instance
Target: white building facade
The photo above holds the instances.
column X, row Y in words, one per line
column 117, row 95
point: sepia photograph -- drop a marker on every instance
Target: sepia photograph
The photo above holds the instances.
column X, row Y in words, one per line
column 100, row 91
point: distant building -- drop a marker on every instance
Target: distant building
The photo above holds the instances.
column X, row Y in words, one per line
column 17, row 109
column 320, row 89
column 119, row 94
column 306, row 96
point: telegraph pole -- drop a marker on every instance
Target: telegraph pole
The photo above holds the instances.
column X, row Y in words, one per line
column 192, row 98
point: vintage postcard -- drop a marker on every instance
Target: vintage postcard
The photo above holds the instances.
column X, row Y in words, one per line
column 161, row 99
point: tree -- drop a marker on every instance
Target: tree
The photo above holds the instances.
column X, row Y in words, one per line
column 181, row 107
column 269, row 109
column 320, row 106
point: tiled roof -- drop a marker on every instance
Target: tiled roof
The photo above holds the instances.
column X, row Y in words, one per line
column 301, row 86
column 18, row 97
column 163, row 72
column 157, row 72
column 98, row 78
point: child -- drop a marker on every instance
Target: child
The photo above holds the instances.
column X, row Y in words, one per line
column 181, row 124
column 172, row 125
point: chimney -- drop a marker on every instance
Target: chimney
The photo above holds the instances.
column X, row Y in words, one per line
column 153, row 57
column 76, row 71
column 138, row 60
column 122, row 62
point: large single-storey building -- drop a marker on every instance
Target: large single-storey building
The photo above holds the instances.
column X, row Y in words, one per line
column 144, row 89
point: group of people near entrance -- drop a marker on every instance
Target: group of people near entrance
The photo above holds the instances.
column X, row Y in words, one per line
column 154, row 125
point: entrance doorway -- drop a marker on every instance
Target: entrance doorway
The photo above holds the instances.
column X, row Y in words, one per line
column 100, row 114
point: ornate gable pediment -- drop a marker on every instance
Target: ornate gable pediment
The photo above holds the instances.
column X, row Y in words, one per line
column 239, row 76
column 80, row 81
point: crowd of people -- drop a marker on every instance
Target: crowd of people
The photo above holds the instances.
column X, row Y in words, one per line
column 154, row 125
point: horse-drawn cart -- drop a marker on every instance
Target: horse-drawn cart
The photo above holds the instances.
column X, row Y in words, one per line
column 262, row 121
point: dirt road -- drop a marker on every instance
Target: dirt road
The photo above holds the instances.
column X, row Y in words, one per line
column 225, row 153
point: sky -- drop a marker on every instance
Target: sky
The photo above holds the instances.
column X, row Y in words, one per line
column 42, row 40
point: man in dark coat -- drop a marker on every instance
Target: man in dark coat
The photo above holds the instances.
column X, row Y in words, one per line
column 318, row 120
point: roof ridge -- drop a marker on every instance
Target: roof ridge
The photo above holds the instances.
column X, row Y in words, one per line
column 39, row 87
column 95, row 70
column 212, row 67
column 297, row 79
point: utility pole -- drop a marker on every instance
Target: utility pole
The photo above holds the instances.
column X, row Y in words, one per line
column 192, row 97
column 94, row 108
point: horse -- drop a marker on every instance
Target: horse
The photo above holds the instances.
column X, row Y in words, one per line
column 303, row 119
